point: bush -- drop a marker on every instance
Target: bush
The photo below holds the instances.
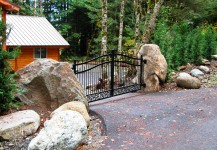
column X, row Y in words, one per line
column 182, row 44
column 8, row 87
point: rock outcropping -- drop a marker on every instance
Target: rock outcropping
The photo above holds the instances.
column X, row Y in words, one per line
column 49, row 83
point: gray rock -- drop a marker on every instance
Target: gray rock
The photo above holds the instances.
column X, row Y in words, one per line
column 184, row 74
column 205, row 62
column 196, row 73
column 49, row 84
column 188, row 82
column 214, row 57
column 19, row 124
column 75, row 106
column 65, row 130
column 156, row 67
column 205, row 69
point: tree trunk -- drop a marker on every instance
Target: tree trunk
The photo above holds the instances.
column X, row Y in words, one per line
column 152, row 22
column 121, row 27
column 117, row 69
column 104, row 39
column 137, row 15
column 104, row 27
column 40, row 7
column 35, row 5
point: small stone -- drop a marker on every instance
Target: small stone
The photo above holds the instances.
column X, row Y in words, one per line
column 205, row 62
column 188, row 82
column 196, row 73
column 184, row 74
column 10, row 144
column 182, row 67
column 214, row 57
column 204, row 69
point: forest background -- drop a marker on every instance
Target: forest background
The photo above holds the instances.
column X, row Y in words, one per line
column 185, row 30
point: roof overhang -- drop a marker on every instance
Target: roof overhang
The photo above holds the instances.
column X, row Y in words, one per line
column 6, row 5
column 57, row 46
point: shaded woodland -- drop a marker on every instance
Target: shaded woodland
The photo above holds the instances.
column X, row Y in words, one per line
column 185, row 30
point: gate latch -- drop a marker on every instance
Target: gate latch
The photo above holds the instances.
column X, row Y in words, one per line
column 144, row 61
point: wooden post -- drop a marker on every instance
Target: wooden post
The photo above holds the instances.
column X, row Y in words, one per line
column 7, row 6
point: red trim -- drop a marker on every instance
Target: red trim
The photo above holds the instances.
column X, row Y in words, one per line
column 9, row 6
column 4, row 19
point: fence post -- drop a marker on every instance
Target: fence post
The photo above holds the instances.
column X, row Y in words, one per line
column 74, row 67
column 112, row 72
column 142, row 62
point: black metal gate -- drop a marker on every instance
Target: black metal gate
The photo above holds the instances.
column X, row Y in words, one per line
column 110, row 75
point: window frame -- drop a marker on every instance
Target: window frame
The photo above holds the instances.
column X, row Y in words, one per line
column 39, row 48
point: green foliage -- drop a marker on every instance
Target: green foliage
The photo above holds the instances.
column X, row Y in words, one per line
column 195, row 11
column 182, row 43
column 181, row 24
column 7, row 81
column 25, row 8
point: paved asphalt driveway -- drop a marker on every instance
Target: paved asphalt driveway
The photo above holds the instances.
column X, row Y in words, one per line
column 183, row 120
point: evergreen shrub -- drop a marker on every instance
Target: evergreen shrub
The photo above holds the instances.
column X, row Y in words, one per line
column 182, row 44
column 8, row 86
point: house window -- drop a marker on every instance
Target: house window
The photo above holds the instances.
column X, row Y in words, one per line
column 40, row 53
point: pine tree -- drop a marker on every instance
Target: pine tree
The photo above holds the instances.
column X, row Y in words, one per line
column 8, row 87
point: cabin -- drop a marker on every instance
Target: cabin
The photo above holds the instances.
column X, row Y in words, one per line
column 35, row 37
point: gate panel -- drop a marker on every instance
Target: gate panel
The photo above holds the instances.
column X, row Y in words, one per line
column 109, row 75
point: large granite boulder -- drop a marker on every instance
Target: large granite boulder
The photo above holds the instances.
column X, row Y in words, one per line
column 65, row 130
column 155, row 69
column 75, row 106
column 49, row 84
column 19, row 124
column 185, row 80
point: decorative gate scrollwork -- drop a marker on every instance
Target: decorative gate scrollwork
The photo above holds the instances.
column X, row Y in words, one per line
column 110, row 75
